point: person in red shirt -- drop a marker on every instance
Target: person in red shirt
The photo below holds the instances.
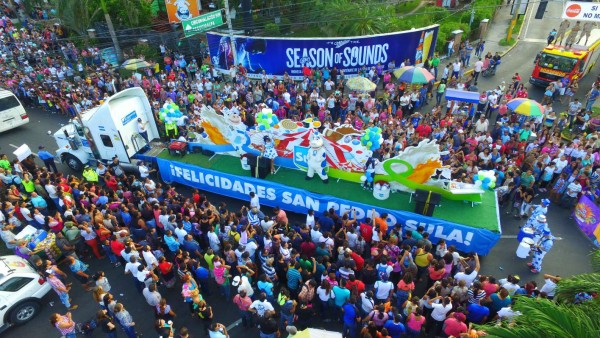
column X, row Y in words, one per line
column 366, row 231
column 115, row 246
column 424, row 130
column 111, row 183
column 308, row 248
column 355, row 286
column 360, row 262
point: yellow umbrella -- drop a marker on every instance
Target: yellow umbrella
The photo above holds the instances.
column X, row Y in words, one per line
column 135, row 64
column 361, row 84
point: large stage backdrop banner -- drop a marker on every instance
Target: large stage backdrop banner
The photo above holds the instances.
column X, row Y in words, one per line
column 466, row 239
column 275, row 56
column 587, row 216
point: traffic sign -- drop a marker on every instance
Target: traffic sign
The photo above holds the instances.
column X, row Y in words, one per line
column 202, row 23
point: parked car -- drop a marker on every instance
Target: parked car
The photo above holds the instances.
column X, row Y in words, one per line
column 21, row 291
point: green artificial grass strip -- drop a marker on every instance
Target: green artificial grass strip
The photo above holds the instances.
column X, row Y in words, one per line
column 482, row 216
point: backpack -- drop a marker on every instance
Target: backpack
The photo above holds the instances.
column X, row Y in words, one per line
column 382, row 272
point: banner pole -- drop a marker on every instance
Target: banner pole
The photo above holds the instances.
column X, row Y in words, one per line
column 230, row 33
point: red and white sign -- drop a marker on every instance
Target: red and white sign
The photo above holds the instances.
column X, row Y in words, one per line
column 582, row 11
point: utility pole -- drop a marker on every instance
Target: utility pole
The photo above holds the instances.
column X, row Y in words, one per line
column 111, row 31
column 230, row 33
column 513, row 22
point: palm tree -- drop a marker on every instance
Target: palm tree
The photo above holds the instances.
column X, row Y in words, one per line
column 77, row 15
column 560, row 318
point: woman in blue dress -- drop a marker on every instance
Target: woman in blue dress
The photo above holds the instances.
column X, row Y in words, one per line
column 269, row 151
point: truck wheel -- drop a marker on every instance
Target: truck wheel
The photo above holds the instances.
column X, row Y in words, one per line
column 73, row 162
column 24, row 312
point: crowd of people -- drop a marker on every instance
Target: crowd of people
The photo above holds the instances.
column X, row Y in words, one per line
column 371, row 276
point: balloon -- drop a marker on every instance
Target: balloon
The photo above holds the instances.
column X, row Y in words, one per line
column 261, row 127
column 485, row 186
column 493, row 178
column 369, row 144
column 486, row 180
column 370, row 178
column 492, row 185
column 363, row 178
column 367, row 137
column 477, row 183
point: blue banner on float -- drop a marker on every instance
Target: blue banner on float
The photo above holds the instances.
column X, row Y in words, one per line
column 272, row 194
column 276, row 56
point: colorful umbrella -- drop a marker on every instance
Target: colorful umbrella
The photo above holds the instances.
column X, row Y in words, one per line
column 526, row 107
column 361, row 84
column 412, row 74
column 135, row 64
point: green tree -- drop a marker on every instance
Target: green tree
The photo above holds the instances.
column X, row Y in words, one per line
column 560, row 318
column 77, row 15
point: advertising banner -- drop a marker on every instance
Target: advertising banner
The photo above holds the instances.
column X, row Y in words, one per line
column 276, row 56
column 179, row 10
column 466, row 239
column 582, row 11
column 587, row 217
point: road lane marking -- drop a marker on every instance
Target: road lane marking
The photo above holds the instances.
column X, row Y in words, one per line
column 508, row 236
column 535, row 40
column 234, row 324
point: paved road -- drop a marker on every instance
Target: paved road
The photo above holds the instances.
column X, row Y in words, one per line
column 568, row 256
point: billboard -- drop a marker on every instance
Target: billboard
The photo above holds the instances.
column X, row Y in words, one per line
column 587, row 217
column 179, row 10
column 275, row 56
column 583, row 11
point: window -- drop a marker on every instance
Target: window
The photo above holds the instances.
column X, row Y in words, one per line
column 106, row 141
column 560, row 63
column 15, row 284
column 8, row 102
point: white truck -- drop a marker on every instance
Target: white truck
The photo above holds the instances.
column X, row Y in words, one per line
column 108, row 130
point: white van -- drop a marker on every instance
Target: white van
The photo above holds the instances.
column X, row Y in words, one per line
column 12, row 113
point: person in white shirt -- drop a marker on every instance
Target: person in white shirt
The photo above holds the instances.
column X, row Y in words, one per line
column 456, row 69
column 144, row 170
column 310, row 218
column 470, row 273
column 142, row 129
column 132, row 268
column 315, row 234
column 152, row 296
column 549, row 288
column 507, row 313
column 243, row 284
column 261, row 306
column 213, row 240
column 149, row 257
column 254, row 201
column 439, row 312
column 481, row 126
column 477, row 69
column 180, row 233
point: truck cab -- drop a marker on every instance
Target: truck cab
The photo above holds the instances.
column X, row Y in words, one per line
column 108, row 130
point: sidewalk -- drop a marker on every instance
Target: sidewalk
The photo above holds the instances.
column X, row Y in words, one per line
column 495, row 32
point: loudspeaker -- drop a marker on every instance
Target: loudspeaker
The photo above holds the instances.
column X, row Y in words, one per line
column 259, row 166
column 426, row 201
column 259, row 161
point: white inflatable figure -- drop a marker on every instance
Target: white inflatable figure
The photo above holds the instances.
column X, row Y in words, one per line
column 237, row 129
column 183, row 9
column 317, row 159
